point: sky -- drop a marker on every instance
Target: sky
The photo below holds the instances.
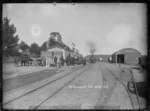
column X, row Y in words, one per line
column 110, row 26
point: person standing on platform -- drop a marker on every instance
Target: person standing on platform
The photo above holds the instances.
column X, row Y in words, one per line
column 84, row 61
column 47, row 62
column 62, row 60
column 55, row 61
column 67, row 60
column 59, row 62
column 22, row 60
column 16, row 61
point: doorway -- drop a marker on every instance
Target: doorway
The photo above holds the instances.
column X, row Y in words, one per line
column 120, row 57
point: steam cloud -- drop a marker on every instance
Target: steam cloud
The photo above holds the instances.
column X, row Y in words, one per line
column 91, row 46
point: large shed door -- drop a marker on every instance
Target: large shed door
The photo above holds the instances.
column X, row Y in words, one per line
column 132, row 58
column 120, row 58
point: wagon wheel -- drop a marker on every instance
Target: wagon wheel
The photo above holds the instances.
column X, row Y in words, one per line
column 44, row 62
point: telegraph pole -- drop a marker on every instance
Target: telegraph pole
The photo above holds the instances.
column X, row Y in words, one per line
column 116, row 57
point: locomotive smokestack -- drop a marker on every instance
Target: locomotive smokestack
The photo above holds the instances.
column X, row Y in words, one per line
column 91, row 46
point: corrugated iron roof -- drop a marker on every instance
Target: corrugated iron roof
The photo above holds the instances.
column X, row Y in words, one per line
column 127, row 49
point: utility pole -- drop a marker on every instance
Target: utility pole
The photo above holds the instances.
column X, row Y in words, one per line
column 116, row 57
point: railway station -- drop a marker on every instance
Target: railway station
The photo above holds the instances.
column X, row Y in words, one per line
column 67, row 57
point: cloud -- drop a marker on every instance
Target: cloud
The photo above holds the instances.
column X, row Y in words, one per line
column 49, row 10
column 120, row 35
column 91, row 46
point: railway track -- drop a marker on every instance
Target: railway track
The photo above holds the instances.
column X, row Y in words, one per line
column 68, row 73
column 36, row 89
column 134, row 84
column 60, row 89
column 106, row 93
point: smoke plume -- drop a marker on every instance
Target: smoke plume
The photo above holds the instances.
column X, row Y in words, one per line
column 91, row 46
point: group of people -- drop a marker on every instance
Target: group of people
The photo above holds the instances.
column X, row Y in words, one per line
column 68, row 61
column 56, row 61
column 25, row 60
column 21, row 60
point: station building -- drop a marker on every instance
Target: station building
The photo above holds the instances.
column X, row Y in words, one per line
column 55, row 51
column 58, row 52
column 126, row 56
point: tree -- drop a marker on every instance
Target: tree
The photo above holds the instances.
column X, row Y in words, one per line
column 15, row 51
column 73, row 47
column 54, row 40
column 24, row 46
column 9, row 39
column 77, row 51
column 59, row 38
column 56, row 36
column 35, row 49
column 52, row 43
column 43, row 46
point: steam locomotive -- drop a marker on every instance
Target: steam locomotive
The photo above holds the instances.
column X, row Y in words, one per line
column 92, row 59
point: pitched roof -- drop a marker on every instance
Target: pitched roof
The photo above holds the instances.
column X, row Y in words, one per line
column 56, row 49
column 60, row 48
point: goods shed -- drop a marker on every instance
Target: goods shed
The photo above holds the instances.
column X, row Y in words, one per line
column 127, row 56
